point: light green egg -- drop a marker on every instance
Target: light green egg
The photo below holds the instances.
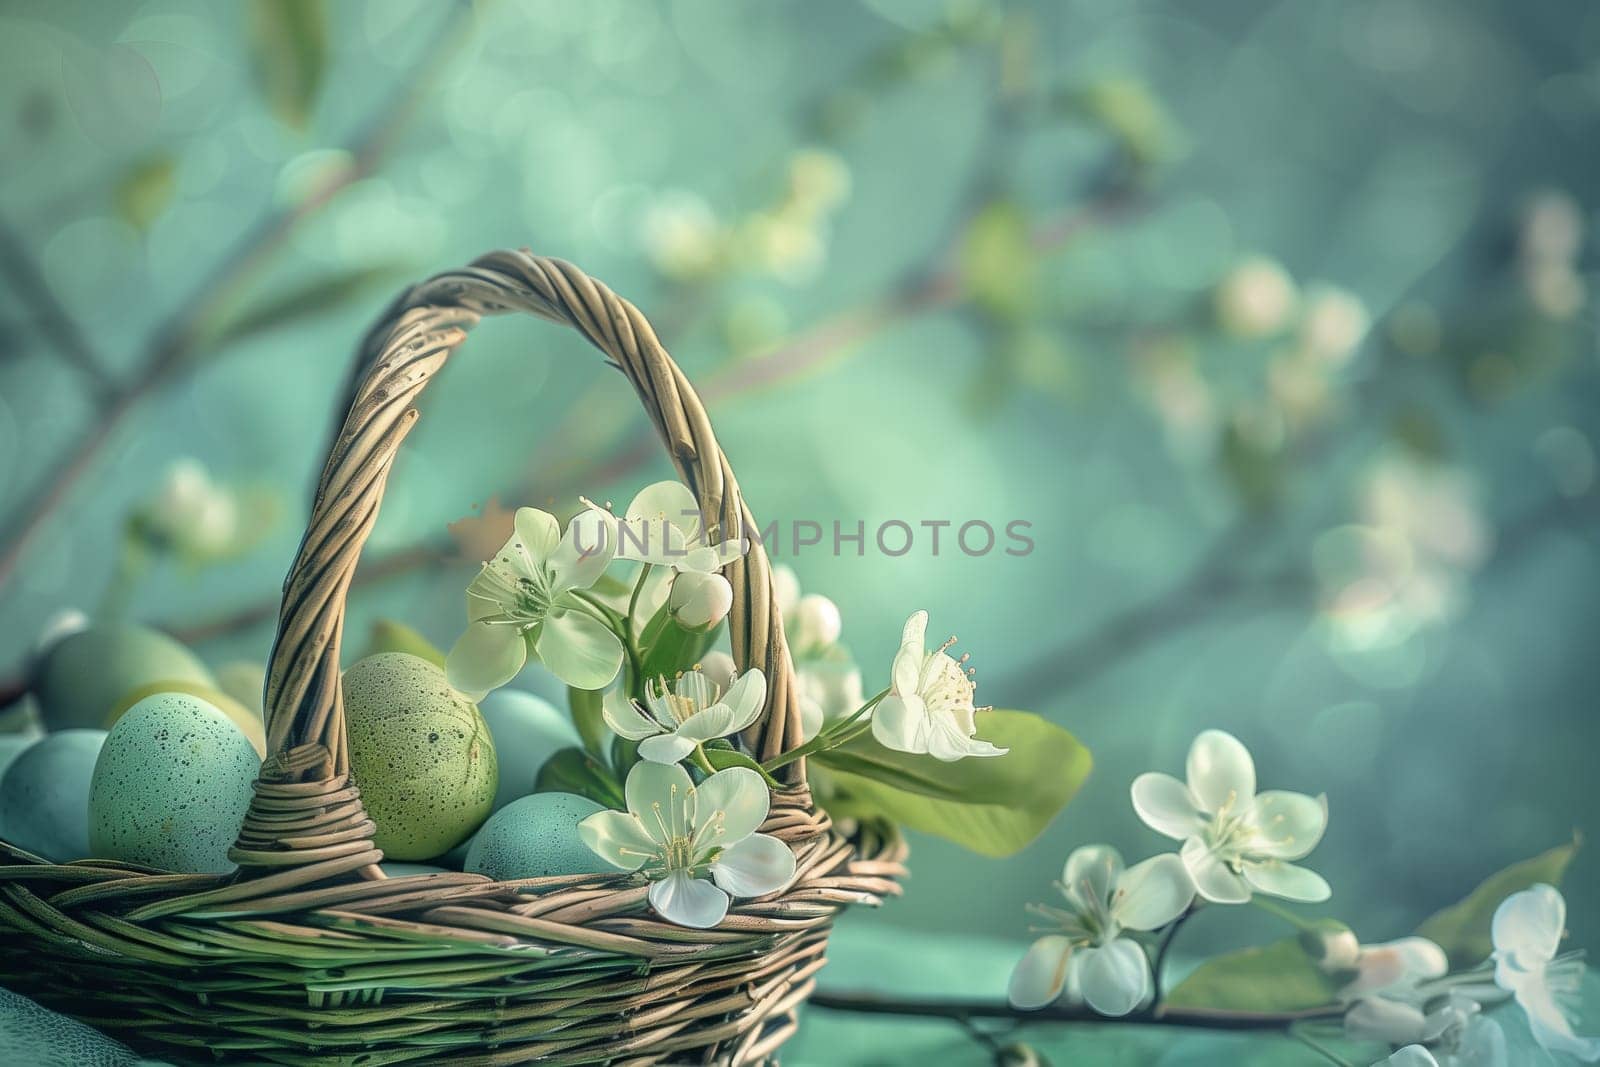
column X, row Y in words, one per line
column 44, row 796
column 420, row 753
column 171, row 786
column 244, row 681
column 30, row 1033
column 536, row 837
column 83, row 675
column 527, row 731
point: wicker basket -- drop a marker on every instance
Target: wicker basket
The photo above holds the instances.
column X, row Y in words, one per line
column 308, row 953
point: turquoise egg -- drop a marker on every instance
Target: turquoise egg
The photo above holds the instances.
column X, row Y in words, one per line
column 14, row 745
column 30, row 1033
column 171, row 786
column 536, row 837
column 44, row 797
column 527, row 730
column 84, row 675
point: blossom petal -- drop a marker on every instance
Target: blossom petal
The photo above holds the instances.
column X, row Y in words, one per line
column 665, row 748
column 1166, row 805
column 1550, row 1025
column 715, row 721
column 1090, row 874
column 746, row 697
column 1213, row 880
column 584, row 553
column 754, row 867
column 1279, row 879
column 900, row 723
column 537, row 532
column 486, row 656
column 617, row 838
column 1116, row 978
column 696, row 688
column 1410, row 1056
column 1040, row 976
column 1391, row 964
column 720, row 670
column 653, row 786
column 670, row 500
column 1151, row 894
column 1528, row 925
column 1220, row 771
column 625, row 718
column 906, row 671
column 741, row 797
column 947, row 743
column 1389, row 1021
column 579, row 649
column 1290, row 824
column 688, row 901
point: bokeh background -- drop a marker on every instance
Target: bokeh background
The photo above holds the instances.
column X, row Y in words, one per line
column 1274, row 320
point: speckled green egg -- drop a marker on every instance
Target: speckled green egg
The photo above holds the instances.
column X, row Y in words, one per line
column 527, row 731
column 536, row 837
column 421, row 754
column 82, row 676
column 30, row 1033
column 171, row 786
column 44, row 796
column 248, row 722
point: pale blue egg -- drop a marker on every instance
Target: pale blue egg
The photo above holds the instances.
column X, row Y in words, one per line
column 172, row 785
column 44, row 797
column 536, row 837
column 527, row 730
column 30, row 1033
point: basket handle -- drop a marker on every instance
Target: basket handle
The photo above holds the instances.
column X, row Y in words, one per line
column 308, row 752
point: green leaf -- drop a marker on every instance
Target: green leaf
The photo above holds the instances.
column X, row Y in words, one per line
column 998, row 260
column 305, row 300
column 723, row 758
column 144, row 191
column 586, row 716
column 1269, row 978
column 994, row 806
column 1462, row 929
column 390, row 636
column 1043, row 757
column 572, row 770
column 289, row 45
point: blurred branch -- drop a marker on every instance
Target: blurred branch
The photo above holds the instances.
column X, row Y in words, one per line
column 1216, row 582
column 177, row 338
column 55, row 322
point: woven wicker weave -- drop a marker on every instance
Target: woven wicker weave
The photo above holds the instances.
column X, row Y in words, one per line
column 308, row 954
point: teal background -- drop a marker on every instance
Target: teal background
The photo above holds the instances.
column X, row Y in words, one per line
column 1180, row 580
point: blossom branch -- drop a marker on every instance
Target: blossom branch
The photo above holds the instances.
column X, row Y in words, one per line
column 1192, row 1018
column 175, row 341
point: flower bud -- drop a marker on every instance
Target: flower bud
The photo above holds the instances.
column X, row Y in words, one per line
column 719, row 669
column 699, row 601
column 816, row 623
column 1332, row 945
column 1256, row 299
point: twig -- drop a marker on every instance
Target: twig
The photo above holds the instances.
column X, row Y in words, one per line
column 1158, row 966
column 1193, row 1018
column 177, row 338
column 55, row 322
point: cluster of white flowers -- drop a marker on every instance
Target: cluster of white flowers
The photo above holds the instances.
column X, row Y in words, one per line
column 696, row 844
column 1402, row 994
column 1235, row 843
